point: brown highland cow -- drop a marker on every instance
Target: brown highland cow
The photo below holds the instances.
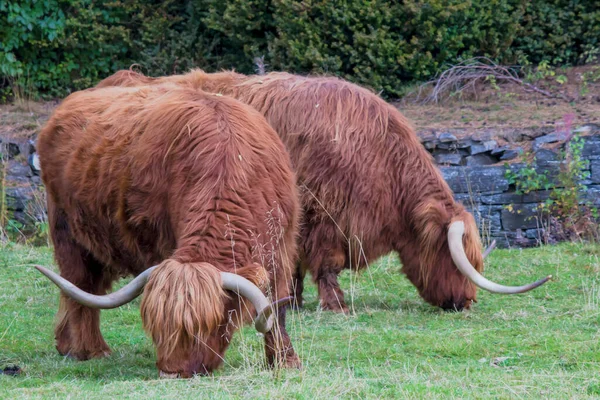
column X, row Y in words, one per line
column 197, row 183
column 367, row 185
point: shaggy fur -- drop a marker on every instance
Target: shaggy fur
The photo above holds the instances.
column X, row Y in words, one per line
column 194, row 182
column 367, row 185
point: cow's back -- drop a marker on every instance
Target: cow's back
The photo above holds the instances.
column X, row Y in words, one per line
column 138, row 171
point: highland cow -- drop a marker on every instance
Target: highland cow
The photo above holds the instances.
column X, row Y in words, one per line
column 367, row 185
column 197, row 184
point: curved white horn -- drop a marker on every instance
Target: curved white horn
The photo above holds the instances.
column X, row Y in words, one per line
column 455, row 234
column 233, row 282
column 243, row 287
column 113, row 300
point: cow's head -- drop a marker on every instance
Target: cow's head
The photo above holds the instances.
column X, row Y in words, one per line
column 445, row 259
column 187, row 310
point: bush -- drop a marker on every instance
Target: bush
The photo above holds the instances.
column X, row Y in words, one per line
column 64, row 45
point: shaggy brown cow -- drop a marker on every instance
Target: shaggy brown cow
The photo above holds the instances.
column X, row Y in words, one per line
column 367, row 185
column 197, row 183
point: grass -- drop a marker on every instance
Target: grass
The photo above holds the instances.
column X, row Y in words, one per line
column 541, row 344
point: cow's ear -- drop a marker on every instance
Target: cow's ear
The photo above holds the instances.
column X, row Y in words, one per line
column 430, row 222
column 471, row 239
column 256, row 274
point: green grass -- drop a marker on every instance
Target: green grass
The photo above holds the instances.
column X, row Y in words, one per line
column 543, row 344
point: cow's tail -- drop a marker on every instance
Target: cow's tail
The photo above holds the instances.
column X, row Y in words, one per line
column 183, row 304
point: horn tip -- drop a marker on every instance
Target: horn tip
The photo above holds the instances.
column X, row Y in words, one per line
column 43, row 270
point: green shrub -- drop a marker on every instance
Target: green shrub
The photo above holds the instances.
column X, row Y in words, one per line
column 383, row 44
column 64, row 45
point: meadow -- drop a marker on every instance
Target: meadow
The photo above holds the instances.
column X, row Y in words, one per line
column 542, row 344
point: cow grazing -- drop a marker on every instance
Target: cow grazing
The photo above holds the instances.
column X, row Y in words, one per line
column 199, row 185
column 367, row 185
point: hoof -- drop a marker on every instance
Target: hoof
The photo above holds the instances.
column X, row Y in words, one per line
column 168, row 375
column 84, row 355
column 336, row 308
column 293, row 363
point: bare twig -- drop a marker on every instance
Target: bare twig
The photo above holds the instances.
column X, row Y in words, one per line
column 260, row 65
column 466, row 74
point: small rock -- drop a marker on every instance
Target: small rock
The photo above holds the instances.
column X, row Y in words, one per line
column 586, row 128
column 34, row 163
column 499, row 150
column 534, row 233
column 480, row 159
column 13, row 150
column 18, row 169
column 550, row 138
column 17, row 198
column 431, row 145
column 454, row 145
column 447, row 137
column 482, row 136
column 595, row 171
column 483, row 147
column 546, row 155
column 591, row 147
column 498, row 360
column 31, row 146
column 448, row 158
column 533, row 133
column 511, row 154
column 426, row 136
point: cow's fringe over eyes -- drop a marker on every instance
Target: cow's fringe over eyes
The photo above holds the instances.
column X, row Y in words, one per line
column 182, row 305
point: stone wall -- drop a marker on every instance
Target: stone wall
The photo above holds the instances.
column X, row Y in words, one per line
column 471, row 162
column 22, row 186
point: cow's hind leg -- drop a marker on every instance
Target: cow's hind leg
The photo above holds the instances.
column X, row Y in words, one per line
column 325, row 264
column 298, row 284
column 325, row 257
column 331, row 295
column 77, row 330
column 278, row 346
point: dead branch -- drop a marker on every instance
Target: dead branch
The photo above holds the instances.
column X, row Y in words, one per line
column 259, row 62
column 467, row 74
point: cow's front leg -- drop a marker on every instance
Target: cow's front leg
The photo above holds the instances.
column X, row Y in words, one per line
column 278, row 346
column 77, row 330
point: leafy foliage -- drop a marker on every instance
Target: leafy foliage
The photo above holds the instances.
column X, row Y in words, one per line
column 64, row 45
column 566, row 205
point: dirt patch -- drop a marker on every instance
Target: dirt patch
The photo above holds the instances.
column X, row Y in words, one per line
column 12, row 370
column 498, row 114
column 25, row 120
column 507, row 104
column 502, row 105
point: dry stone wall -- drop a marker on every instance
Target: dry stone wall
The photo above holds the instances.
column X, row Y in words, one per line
column 471, row 162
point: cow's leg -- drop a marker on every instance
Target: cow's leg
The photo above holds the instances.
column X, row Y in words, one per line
column 325, row 257
column 77, row 330
column 298, row 284
column 278, row 346
column 325, row 264
column 331, row 295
